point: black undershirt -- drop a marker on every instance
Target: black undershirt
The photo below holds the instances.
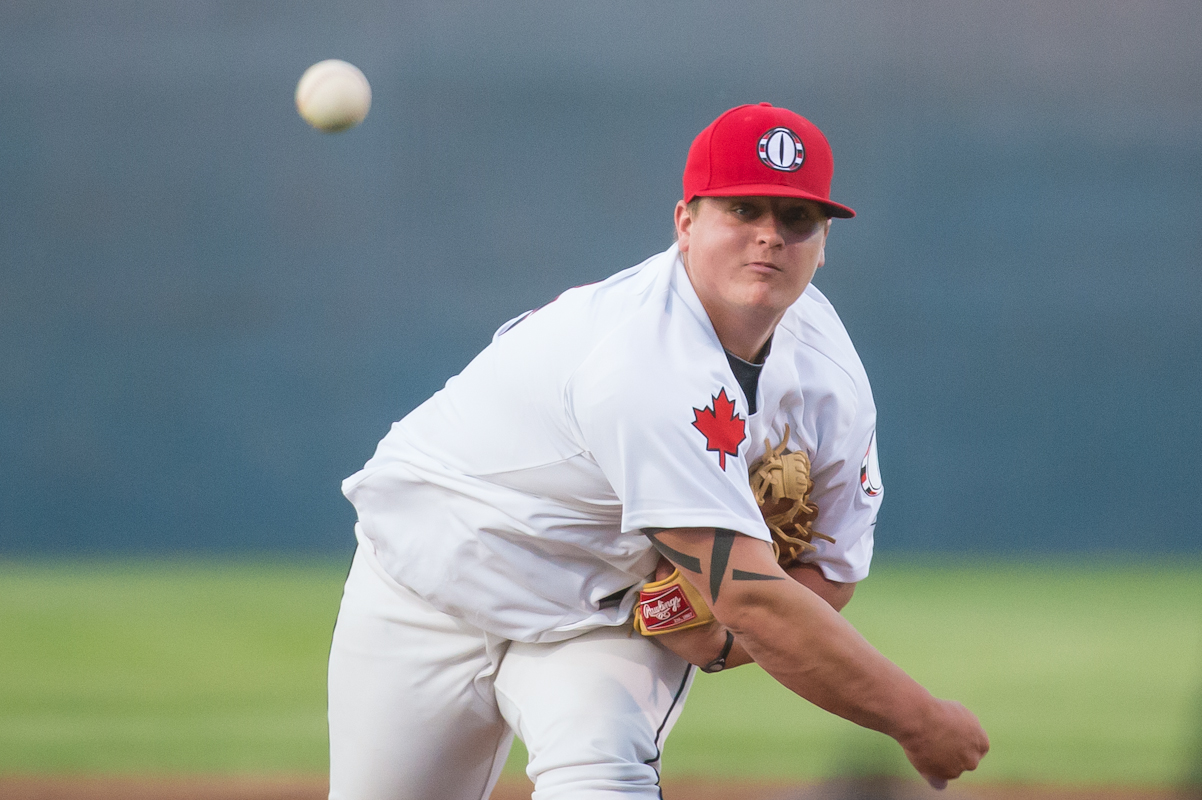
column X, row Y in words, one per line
column 748, row 374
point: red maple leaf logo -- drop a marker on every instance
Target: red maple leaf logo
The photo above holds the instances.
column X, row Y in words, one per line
column 724, row 430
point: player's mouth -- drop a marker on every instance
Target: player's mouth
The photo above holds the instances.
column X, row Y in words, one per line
column 763, row 266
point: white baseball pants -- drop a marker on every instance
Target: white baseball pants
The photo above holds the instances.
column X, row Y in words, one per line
column 423, row 706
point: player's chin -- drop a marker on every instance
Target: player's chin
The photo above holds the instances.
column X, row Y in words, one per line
column 770, row 296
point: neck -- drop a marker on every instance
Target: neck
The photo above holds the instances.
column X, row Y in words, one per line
column 742, row 333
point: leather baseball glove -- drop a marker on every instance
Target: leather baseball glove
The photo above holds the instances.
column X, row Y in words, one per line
column 781, row 484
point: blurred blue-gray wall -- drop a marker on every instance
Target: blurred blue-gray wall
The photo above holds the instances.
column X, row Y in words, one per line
column 209, row 313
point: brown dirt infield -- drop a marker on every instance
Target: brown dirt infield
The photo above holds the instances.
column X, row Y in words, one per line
column 33, row 787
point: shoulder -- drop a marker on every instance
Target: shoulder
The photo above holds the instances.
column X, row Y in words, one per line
column 592, row 310
column 561, row 335
column 668, row 343
column 661, row 362
column 820, row 347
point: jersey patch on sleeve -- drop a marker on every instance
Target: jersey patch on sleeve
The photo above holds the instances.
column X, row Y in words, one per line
column 723, row 429
column 870, row 470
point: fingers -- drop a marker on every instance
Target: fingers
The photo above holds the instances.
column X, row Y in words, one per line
column 953, row 742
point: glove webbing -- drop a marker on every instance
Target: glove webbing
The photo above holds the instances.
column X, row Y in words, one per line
column 779, row 475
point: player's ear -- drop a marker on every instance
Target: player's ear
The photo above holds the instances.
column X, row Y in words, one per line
column 684, row 223
column 822, row 252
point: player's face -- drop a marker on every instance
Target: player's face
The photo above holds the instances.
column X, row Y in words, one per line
column 751, row 255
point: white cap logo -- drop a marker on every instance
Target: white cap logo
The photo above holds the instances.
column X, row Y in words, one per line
column 870, row 470
column 781, row 149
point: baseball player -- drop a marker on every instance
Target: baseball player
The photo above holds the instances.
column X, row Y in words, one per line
column 819, row 485
column 507, row 526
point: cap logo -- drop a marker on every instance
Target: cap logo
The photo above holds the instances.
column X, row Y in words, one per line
column 781, row 149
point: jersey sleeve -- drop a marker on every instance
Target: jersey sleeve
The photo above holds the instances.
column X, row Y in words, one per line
column 848, row 492
column 665, row 421
column 827, row 399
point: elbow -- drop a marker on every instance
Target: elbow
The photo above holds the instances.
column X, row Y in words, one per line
column 842, row 595
column 811, row 576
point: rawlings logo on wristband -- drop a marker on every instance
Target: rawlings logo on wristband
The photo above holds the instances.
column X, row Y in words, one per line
column 669, row 605
column 663, row 610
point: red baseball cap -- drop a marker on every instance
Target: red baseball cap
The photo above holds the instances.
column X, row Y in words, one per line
column 762, row 151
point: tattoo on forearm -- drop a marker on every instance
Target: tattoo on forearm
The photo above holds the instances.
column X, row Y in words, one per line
column 724, row 540
column 675, row 556
column 740, row 575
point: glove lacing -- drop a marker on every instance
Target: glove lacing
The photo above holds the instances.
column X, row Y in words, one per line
column 779, row 475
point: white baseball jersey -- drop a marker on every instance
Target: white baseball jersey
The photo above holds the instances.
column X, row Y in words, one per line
column 515, row 497
column 813, row 380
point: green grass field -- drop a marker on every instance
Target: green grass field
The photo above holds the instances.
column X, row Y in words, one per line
column 1086, row 674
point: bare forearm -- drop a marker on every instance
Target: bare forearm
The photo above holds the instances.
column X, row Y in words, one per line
column 800, row 640
column 803, row 643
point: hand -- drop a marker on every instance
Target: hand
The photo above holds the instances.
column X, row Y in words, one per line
column 948, row 742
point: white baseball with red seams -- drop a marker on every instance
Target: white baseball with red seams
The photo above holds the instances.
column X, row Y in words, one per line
column 501, row 546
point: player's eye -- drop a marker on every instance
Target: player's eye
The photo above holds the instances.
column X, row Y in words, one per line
column 802, row 219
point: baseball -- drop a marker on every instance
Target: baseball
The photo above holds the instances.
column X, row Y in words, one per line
column 333, row 95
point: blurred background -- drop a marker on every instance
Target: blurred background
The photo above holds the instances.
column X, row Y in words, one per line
column 210, row 313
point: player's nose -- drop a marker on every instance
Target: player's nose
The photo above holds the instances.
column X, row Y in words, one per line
column 771, row 229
